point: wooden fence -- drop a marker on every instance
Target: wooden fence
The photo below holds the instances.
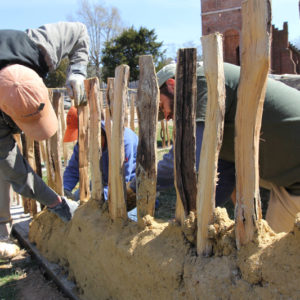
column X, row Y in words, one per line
column 194, row 195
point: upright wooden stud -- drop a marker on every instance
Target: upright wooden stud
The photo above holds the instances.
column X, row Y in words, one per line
column 147, row 110
column 212, row 138
column 256, row 25
column 117, row 207
column 185, row 132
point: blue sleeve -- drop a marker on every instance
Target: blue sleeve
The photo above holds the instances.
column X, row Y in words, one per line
column 130, row 151
column 71, row 174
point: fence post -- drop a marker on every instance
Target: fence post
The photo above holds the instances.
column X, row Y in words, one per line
column 163, row 133
column 212, row 138
column 53, row 146
column 109, row 96
column 256, row 25
column 132, row 111
column 184, row 133
column 117, row 207
column 147, row 110
column 83, row 141
column 95, row 105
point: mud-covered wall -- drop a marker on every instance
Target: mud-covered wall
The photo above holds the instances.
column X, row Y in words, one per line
column 121, row 261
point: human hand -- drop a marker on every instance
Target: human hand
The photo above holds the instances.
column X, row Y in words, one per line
column 69, row 194
column 64, row 210
column 75, row 88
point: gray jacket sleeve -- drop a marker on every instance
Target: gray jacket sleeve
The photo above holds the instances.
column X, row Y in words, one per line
column 16, row 170
column 60, row 40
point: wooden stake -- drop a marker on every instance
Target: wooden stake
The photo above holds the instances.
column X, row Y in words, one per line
column 168, row 134
column 132, row 111
column 212, row 138
column 185, row 132
column 109, row 93
column 163, row 133
column 55, row 148
column 147, row 110
column 93, row 93
column 83, row 135
column 256, row 16
column 117, row 207
column 63, row 129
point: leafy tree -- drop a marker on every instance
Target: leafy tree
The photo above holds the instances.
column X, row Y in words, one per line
column 103, row 23
column 57, row 78
column 126, row 49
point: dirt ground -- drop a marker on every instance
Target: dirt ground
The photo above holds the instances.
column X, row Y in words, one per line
column 22, row 279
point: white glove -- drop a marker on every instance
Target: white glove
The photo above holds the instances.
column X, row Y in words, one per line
column 75, row 88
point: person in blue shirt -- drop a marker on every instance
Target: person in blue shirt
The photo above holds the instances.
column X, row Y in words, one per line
column 71, row 174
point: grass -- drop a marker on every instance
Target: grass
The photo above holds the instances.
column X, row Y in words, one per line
column 10, row 273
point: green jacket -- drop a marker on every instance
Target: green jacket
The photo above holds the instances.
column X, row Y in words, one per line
column 279, row 149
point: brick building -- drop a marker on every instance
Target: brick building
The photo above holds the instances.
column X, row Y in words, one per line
column 225, row 17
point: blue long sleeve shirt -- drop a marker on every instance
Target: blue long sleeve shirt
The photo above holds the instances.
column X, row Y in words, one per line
column 71, row 174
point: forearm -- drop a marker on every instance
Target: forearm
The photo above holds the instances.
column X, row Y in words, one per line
column 16, row 170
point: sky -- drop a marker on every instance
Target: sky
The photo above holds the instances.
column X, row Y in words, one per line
column 177, row 23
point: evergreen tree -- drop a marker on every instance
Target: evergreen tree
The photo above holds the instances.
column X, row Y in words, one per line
column 126, row 49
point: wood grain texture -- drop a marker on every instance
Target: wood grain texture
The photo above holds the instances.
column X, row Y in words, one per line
column 255, row 63
column 212, row 138
column 147, row 111
column 94, row 100
column 117, row 207
column 184, row 133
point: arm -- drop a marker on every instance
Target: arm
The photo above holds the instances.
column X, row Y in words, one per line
column 71, row 174
column 16, row 170
column 60, row 40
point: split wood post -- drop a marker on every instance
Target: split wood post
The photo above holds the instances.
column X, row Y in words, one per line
column 126, row 123
column 168, row 133
column 212, row 138
column 53, row 146
column 163, row 133
column 185, row 133
column 38, row 162
column 31, row 161
column 25, row 200
column 83, row 153
column 17, row 138
column 255, row 41
column 132, row 111
column 146, row 163
column 117, row 206
column 108, row 116
column 93, row 96
column 63, row 129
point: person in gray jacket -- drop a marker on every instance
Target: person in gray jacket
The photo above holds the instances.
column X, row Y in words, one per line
column 25, row 58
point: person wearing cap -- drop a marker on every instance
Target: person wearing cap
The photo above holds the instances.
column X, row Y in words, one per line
column 26, row 57
column 71, row 173
column 279, row 158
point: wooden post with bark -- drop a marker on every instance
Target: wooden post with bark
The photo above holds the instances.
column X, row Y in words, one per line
column 63, row 129
column 93, row 96
column 255, row 41
column 185, row 132
column 83, row 153
column 109, row 95
column 147, row 110
column 168, row 133
column 117, row 206
column 132, row 111
column 54, row 154
column 163, row 133
column 212, row 138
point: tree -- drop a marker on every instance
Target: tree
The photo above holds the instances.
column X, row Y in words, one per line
column 103, row 23
column 57, row 78
column 126, row 49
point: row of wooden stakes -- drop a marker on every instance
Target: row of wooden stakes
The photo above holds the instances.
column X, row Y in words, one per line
column 195, row 194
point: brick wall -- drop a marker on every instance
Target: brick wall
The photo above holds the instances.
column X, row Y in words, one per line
column 224, row 16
